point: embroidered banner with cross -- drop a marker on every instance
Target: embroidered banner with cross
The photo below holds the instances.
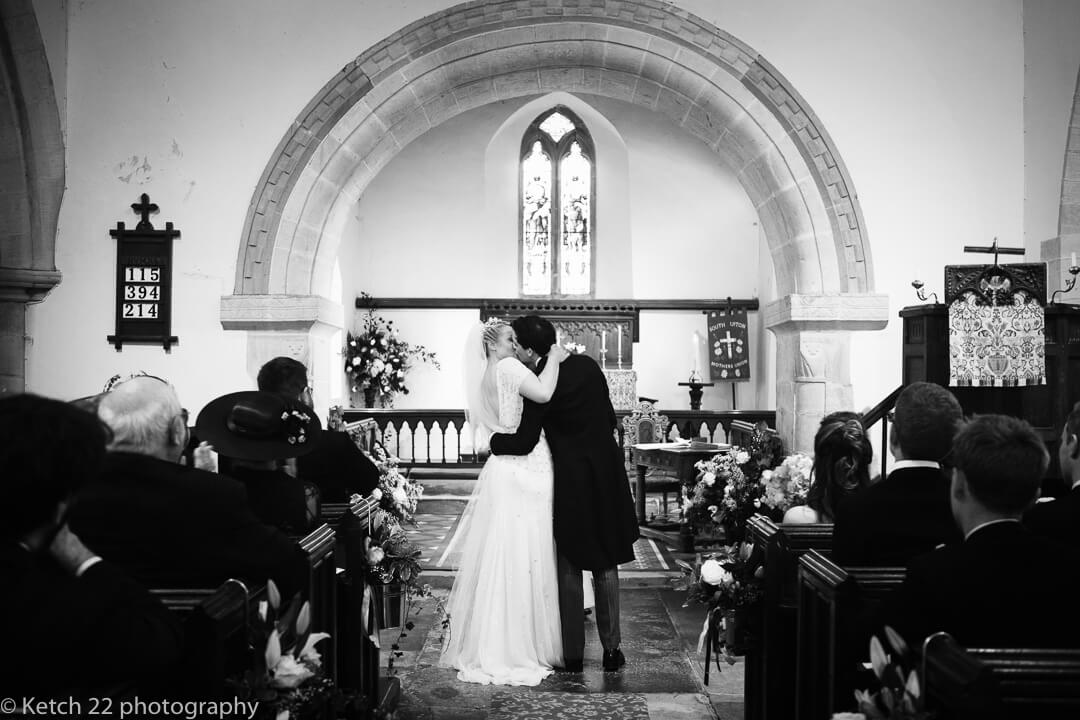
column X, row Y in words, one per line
column 729, row 345
column 996, row 322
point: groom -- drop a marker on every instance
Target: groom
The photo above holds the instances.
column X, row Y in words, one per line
column 595, row 524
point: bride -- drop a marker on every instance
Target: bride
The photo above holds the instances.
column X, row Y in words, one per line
column 504, row 606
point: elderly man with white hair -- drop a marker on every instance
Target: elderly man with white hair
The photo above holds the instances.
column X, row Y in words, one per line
column 170, row 525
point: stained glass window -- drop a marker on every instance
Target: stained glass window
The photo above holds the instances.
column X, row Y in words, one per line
column 557, row 181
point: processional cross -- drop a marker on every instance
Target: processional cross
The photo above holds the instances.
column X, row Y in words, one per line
column 994, row 248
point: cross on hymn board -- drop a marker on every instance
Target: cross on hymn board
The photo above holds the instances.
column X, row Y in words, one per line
column 144, row 207
column 994, row 249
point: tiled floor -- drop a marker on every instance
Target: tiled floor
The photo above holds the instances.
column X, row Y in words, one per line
column 660, row 638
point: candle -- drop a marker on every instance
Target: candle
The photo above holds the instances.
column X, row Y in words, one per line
column 1073, row 262
column 619, row 331
column 694, row 340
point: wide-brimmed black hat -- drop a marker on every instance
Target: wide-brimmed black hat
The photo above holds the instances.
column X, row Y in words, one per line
column 255, row 425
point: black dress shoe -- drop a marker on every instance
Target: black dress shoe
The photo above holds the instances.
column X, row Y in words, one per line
column 613, row 660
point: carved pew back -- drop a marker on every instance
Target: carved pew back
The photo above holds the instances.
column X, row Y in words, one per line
column 216, row 622
column 995, row 683
column 771, row 680
column 831, row 601
column 322, row 594
column 358, row 655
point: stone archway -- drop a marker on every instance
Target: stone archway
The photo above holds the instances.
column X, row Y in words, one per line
column 31, row 182
column 641, row 51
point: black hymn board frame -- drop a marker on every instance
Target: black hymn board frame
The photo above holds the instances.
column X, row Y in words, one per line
column 144, row 281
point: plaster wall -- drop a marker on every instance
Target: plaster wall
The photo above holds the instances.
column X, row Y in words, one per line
column 187, row 102
column 1051, row 64
column 423, row 227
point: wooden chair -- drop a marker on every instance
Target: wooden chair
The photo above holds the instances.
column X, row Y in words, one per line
column 771, row 675
column 831, row 602
column 646, row 425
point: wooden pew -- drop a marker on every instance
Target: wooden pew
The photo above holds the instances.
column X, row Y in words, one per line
column 831, row 602
column 358, row 656
column 322, row 594
column 215, row 636
column 771, row 680
column 1000, row 683
column 216, row 619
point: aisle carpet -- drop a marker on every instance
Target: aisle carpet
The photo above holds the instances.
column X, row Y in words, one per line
column 438, row 538
column 568, row 706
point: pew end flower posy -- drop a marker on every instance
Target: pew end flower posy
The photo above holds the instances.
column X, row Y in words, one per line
column 377, row 359
column 286, row 672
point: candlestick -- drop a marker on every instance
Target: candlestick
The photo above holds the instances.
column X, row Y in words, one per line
column 603, row 348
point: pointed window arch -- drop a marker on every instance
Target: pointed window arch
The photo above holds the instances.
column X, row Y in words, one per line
column 557, row 244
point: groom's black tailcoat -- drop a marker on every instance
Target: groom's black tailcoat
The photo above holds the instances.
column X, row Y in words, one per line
column 595, row 523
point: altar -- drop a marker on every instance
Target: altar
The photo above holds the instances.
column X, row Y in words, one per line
column 677, row 459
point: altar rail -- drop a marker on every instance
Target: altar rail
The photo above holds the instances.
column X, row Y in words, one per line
column 442, row 438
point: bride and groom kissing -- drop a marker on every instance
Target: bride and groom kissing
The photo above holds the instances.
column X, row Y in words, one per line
column 552, row 500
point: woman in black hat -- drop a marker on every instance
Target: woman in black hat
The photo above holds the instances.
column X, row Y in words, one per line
column 257, row 436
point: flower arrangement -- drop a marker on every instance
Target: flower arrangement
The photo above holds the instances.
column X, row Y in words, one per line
column 377, row 359
column 728, row 583
column 710, row 499
column 287, row 669
column 900, row 695
column 787, row 485
column 392, row 557
column 731, row 486
column 397, row 494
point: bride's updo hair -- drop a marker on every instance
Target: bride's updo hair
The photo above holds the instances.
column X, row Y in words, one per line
column 842, row 456
column 493, row 327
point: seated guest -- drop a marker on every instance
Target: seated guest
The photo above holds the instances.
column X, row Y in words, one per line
column 1002, row 586
column 1060, row 519
column 166, row 524
column 907, row 513
column 842, row 456
column 61, row 606
column 337, row 466
column 257, row 435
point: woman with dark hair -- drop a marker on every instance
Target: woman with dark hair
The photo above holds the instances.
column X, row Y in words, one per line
column 842, row 456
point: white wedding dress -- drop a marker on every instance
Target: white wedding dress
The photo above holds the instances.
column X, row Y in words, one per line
column 504, row 607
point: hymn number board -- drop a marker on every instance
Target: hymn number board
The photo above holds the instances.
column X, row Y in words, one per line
column 144, row 281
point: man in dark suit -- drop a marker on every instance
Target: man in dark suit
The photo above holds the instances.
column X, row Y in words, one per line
column 906, row 513
column 1059, row 519
column 166, row 524
column 1002, row 586
column 336, row 466
column 61, row 606
column 595, row 524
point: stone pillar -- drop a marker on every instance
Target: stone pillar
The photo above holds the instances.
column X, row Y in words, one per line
column 18, row 288
column 297, row 326
column 813, row 374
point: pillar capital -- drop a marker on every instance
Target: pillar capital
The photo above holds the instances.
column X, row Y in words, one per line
column 822, row 313
column 813, row 357
column 281, row 313
column 27, row 285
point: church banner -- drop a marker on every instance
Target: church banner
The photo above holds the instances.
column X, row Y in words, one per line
column 996, row 345
column 729, row 346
